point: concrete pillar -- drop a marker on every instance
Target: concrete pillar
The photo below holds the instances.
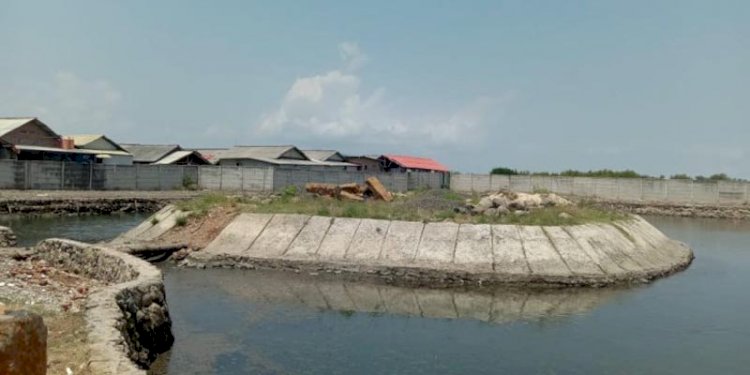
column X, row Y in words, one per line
column 23, row 344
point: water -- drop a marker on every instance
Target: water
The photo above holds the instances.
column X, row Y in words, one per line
column 87, row 228
column 695, row 322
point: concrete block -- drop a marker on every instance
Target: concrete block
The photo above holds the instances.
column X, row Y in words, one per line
column 474, row 248
column 237, row 237
column 576, row 258
column 438, row 244
column 401, row 242
column 508, row 251
column 582, row 234
column 542, row 257
column 338, row 238
column 368, row 240
column 279, row 233
column 308, row 241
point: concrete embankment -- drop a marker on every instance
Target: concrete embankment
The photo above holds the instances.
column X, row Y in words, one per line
column 732, row 212
column 127, row 320
column 446, row 253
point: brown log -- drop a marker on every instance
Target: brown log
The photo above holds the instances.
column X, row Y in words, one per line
column 349, row 196
column 353, row 188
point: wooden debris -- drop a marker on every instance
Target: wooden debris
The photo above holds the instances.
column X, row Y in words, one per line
column 378, row 190
column 353, row 188
column 343, row 194
column 330, row 190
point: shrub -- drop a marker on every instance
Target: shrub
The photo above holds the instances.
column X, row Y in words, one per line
column 181, row 221
column 154, row 220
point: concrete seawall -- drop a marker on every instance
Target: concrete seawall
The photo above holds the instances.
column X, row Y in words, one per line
column 446, row 253
column 128, row 320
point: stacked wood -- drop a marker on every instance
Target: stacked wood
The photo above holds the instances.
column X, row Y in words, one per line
column 351, row 191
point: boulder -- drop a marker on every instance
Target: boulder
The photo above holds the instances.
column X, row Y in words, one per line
column 525, row 202
column 490, row 212
column 500, row 200
column 553, row 199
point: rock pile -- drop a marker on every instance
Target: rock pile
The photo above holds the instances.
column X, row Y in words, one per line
column 506, row 202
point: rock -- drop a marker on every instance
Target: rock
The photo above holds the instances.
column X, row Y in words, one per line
column 7, row 237
column 501, row 211
column 565, row 215
column 520, row 213
column 484, row 203
column 553, row 199
column 23, row 344
column 490, row 212
column 500, row 200
column 525, row 202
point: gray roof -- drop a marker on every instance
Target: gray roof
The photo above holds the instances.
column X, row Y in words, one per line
column 149, row 153
column 258, row 152
column 324, row 155
column 177, row 155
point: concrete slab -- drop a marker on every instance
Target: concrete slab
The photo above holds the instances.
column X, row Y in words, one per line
column 401, row 242
column 657, row 241
column 308, row 241
column 368, row 240
column 602, row 242
column 626, row 245
column 136, row 233
column 277, row 236
column 576, row 258
column 436, row 304
column 237, row 237
column 509, row 257
column 339, row 237
column 474, row 248
column 437, row 244
column 581, row 234
column 644, row 242
column 542, row 257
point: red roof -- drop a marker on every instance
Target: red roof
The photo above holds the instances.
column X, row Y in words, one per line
column 413, row 162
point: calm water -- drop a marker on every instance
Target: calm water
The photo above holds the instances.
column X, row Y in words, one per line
column 695, row 322
column 92, row 228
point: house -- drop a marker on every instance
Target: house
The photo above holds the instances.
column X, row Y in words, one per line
column 107, row 151
column 403, row 163
column 275, row 156
column 369, row 163
column 331, row 157
column 31, row 139
column 183, row 157
column 149, row 154
column 210, row 154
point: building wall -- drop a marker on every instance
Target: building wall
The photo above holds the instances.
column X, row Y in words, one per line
column 100, row 144
column 118, row 160
column 32, row 134
column 368, row 165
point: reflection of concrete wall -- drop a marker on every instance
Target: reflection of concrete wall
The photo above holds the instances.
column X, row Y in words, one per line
column 488, row 305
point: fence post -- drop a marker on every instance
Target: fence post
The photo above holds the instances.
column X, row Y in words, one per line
column 221, row 177
column 745, row 195
column 242, row 178
column 642, row 189
column 198, row 183
column 62, row 175
column 91, row 176
column 718, row 192
column 692, row 192
column 26, row 175
column 158, row 172
column 137, row 175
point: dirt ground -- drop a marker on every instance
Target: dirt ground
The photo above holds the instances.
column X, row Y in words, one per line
column 202, row 230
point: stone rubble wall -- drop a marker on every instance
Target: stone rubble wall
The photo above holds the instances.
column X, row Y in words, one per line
column 79, row 206
column 7, row 237
column 128, row 320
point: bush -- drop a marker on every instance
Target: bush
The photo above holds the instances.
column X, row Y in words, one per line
column 154, row 220
column 188, row 183
column 181, row 221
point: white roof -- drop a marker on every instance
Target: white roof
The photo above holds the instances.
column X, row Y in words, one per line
column 72, row 150
column 177, row 155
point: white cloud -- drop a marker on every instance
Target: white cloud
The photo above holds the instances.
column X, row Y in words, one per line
column 67, row 102
column 333, row 106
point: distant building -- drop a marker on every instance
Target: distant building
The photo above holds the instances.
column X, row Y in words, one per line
column 107, row 151
column 210, row 154
column 403, row 163
column 183, row 157
column 28, row 138
column 149, row 154
column 331, row 157
column 368, row 163
column 276, row 156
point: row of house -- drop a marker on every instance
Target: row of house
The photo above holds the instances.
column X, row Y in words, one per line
column 28, row 138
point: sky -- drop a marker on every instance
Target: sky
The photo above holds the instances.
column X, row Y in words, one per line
column 661, row 87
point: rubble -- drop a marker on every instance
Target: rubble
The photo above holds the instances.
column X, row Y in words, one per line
column 505, row 202
column 351, row 191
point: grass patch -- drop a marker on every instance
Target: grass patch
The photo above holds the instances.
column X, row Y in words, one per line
column 181, row 221
column 424, row 206
column 154, row 220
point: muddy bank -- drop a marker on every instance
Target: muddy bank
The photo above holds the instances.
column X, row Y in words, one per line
column 741, row 212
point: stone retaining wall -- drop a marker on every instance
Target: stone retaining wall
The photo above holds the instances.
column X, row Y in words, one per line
column 7, row 237
column 79, row 206
column 128, row 320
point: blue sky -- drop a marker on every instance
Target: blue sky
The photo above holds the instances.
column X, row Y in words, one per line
column 658, row 86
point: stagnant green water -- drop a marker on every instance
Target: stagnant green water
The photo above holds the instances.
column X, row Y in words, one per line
column 87, row 228
column 695, row 322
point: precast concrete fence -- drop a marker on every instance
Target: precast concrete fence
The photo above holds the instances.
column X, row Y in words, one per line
column 55, row 175
column 675, row 191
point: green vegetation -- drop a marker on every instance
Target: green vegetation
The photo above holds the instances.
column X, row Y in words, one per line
column 188, row 183
column 154, row 220
column 425, row 206
column 609, row 173
column 181, row 221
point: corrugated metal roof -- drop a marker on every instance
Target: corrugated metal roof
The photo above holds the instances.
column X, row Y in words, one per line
column 84, row 139
column 55, row 149
column 324, row 155
column 149, row 153
column 177, row 155
column 9, row 124
column 413, row 162
column 256, row 152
